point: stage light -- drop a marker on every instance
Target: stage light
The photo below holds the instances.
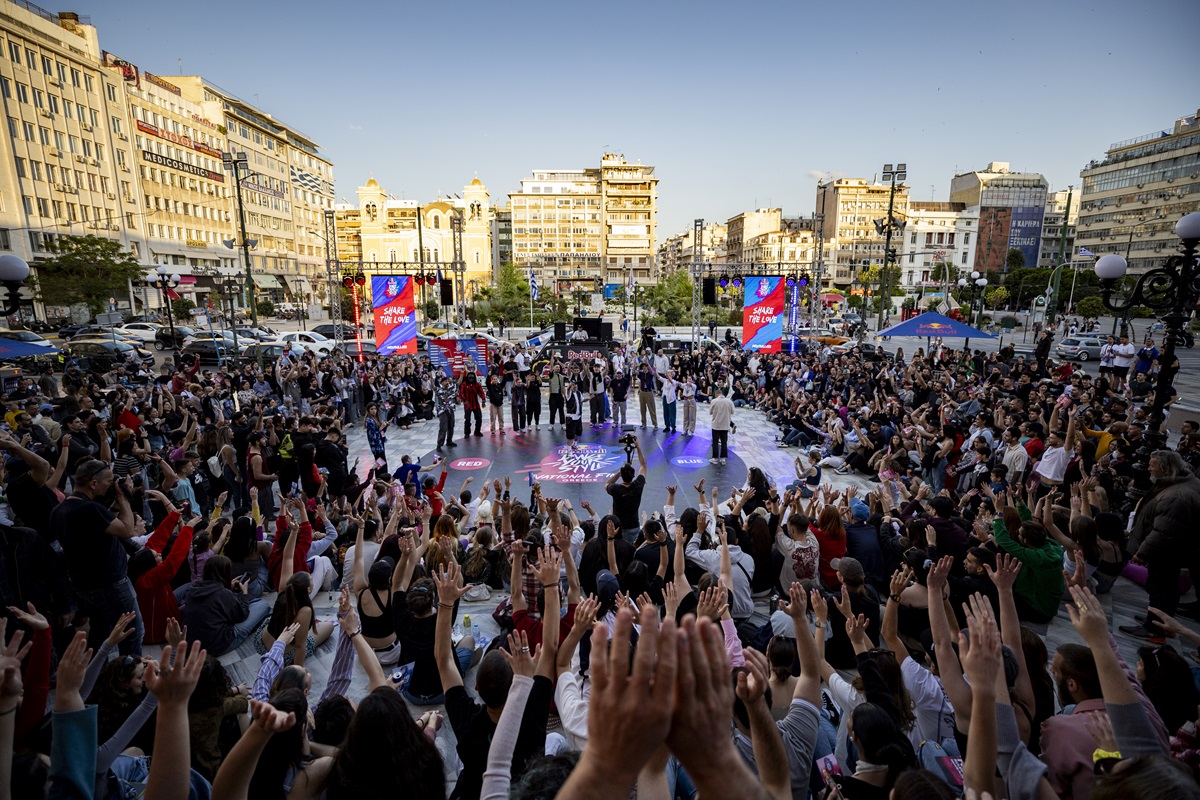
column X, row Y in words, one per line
column 791, row 281
column 348, row 282
column 360, row 279
column 419, row 279
column 724, row 281
column 803, row 281
column 737, row 282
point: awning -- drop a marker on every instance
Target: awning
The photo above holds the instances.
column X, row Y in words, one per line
column 264, row 281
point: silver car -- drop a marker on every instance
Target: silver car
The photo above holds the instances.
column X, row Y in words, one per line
column 1079, row 348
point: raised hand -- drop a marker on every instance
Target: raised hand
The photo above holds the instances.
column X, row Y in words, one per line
column 979, row 649
column 856, row 628
column 449, row 583
column 1100, row 727
column 901, row 580
column 518, row 655
column 31, row 617
column 549, row 567
column 1005, row 573
column 752, row 684
column 1088, row 616
column 713, row 603
column 121, row 630
column 842, row 601
column 268, row 719
column 171, row 683
column 288, row 634
column 935, row 581
column 176, row 635
column 816, row 601
column 585, row 612
column 796, row 606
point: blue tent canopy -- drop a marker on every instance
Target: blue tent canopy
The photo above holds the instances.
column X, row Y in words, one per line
column 934, row 324
column 13, row 348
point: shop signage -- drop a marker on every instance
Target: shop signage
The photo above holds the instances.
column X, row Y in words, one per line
column 198, row 244
column 258, row 187
column 160, row 83
column 163, row 161
column 174, row 138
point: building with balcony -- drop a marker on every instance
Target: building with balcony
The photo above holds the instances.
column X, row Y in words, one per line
column 66, row 167
column 936, row 233
column 743, row 227
column 679, row 251
column 1133, row 197
column 1012, row 206
column 384, row 235
column 630, row 223
column 502, row 235
column 848, row 209
column 1052, row 228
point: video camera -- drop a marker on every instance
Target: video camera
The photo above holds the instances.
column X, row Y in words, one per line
column 629, row 440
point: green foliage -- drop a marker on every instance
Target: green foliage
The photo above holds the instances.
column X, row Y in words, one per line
column 671, row 298
column 1091, row 307
column 85, row 269
column 1143, row 312
column 181, row 309
column 1015, row 259
column 508, row 297
column 854, row 301
column 996, row 297
column 433, row 309
column 347, row 298
column 943, row 272
column 266, row 308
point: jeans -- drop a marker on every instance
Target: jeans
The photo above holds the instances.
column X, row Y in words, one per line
column 468, row 414
column 258, row 611
column 133, row 771
column 669, row 415
column 105, row 606
column 619, row 412
column 445, row 427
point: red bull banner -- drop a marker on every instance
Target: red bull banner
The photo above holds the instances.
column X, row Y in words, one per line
column 762, row 313
column 395, row 317
column 452, row 356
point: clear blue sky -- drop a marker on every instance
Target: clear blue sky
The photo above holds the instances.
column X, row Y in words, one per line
column 738, row 105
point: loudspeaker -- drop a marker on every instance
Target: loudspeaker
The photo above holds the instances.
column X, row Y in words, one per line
column 606, row 331
column 560, row 331
column 447, row 287
column 710, row 291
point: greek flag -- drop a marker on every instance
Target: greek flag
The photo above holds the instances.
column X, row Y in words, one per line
column 533, row 287
column 1083, row 251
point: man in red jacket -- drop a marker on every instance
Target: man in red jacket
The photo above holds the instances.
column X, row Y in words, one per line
column 471, row 394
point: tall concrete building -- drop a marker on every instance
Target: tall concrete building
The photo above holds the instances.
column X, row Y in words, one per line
column 66, row 169
column 1012, row 206
column 387, row 234
column 679, row 250
column 1052, row 228
column 850, row 207
column 268, row 201
column 1133, row 197
column 744, row 227
column 586, row 228
column 502, row 235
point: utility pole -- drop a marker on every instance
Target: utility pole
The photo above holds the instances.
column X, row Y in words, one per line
column 885, row 292
column 1062, row 247
column 421, row 259
column 238, row 164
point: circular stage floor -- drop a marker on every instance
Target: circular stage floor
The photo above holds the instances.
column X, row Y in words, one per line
column 544, row 456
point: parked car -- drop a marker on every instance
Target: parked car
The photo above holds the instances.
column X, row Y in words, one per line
column 271, row 351
column 822, row 335
column 107, row 331
column 102, row 353
column 67, row 331
column 331, row 331
column 439, row 329
column 672, row 343
column 162, row 339
column 209, row 351
column 230, row 341
column 352, row 347
column 145, row 331
column 29, row 337
column 257, row 334
column 309, row 341
column 1079, row 348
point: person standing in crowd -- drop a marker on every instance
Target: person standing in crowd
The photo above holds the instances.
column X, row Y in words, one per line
column 495, row 394
column 472, row 396
column 687, row 389
column 517, row 403
column 556, row 385
column 646, row 388
column 597, row 387
column 533, row 399
column 670, row 394
column 720, row 411
column 445, row 399
column 619, row 388
column 625, row 487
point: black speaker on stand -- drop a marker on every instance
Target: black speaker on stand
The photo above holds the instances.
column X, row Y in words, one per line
column 447, row 287
column 710, row 291
column 560, row 331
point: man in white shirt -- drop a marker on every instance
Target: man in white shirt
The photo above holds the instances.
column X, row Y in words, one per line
column 1124, row 354
column 661, row 364
column 1014, row 456
column 721, row 412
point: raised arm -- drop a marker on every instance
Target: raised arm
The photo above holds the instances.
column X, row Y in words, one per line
column 949, row 668
column 360, row 575
column 1003, row 577
column 449, row 589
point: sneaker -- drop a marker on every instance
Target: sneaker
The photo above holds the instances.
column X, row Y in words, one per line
column 477, row 433
column 712, row 461
column 451, row 444
column 1139, row 632
column 835, row 716
column 722, row 462
column 1141, row 620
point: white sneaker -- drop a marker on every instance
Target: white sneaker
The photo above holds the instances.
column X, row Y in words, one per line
column 712, row 461
column 722, row 461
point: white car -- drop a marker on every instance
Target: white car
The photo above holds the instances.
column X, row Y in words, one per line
column 309, row 342
column 146, row 331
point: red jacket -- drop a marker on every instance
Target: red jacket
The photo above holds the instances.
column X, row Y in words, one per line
column 299, row 558
column 155, row 597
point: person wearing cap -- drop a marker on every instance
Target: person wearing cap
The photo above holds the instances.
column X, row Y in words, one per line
column 619, row 387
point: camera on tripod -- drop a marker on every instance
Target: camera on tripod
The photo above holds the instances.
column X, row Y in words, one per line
column 629, row 440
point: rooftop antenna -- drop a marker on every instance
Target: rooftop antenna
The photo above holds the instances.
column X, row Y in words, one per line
column 181, row 66
column 932, row 191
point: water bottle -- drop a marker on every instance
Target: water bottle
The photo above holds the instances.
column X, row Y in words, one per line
column 457, row 632
column 475, row 633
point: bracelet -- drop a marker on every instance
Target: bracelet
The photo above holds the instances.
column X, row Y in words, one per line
column 818, row 624
column 895, row 597
column 445, row 605
column 355, row 633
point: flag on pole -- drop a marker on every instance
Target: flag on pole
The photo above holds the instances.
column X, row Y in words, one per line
column 439, row 273
column 1083, row 251
column 533, row 287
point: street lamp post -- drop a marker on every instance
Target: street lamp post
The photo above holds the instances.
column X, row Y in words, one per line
column 238, row 164
column 230, row 286
column 898, row 174
column 1173, row 288
column 13, row 272
column 975, row 287
column 165, row 283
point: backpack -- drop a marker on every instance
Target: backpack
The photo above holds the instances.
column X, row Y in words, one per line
column 944, row 760
column 214, row 465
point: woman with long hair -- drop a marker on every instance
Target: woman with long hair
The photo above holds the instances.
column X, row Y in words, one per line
column 376, row 427
column 883, row 753
column 831, row 536
column 218, row 610
column 152, row 568
column 1167, row 679
column 386, row 754
column 373, row 588
column 293, row 605
column 287, row 757
column 484, row 562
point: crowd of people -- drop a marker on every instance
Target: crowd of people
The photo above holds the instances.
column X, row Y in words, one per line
column 879, row 634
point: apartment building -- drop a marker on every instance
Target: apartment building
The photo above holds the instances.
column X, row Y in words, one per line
column 67, row 131
column 630, row 223
column 849, row 208
column 502, row 235
column 936, row 233
column 1133, row 197
column 1012, row 207
column 679, row 250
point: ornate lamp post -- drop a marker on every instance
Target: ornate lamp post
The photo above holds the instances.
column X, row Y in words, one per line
column 13, row 272
column 165, row 283
column 1173, row 288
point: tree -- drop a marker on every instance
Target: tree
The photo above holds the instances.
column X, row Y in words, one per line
column 1015, row 259
column 995, row 297
column 266, row 308
column 943, row 272
column 670, row 298
column 433, row 309
column 1090, row 307
column 181, row 309
column 85, row 269
column 508, row 297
